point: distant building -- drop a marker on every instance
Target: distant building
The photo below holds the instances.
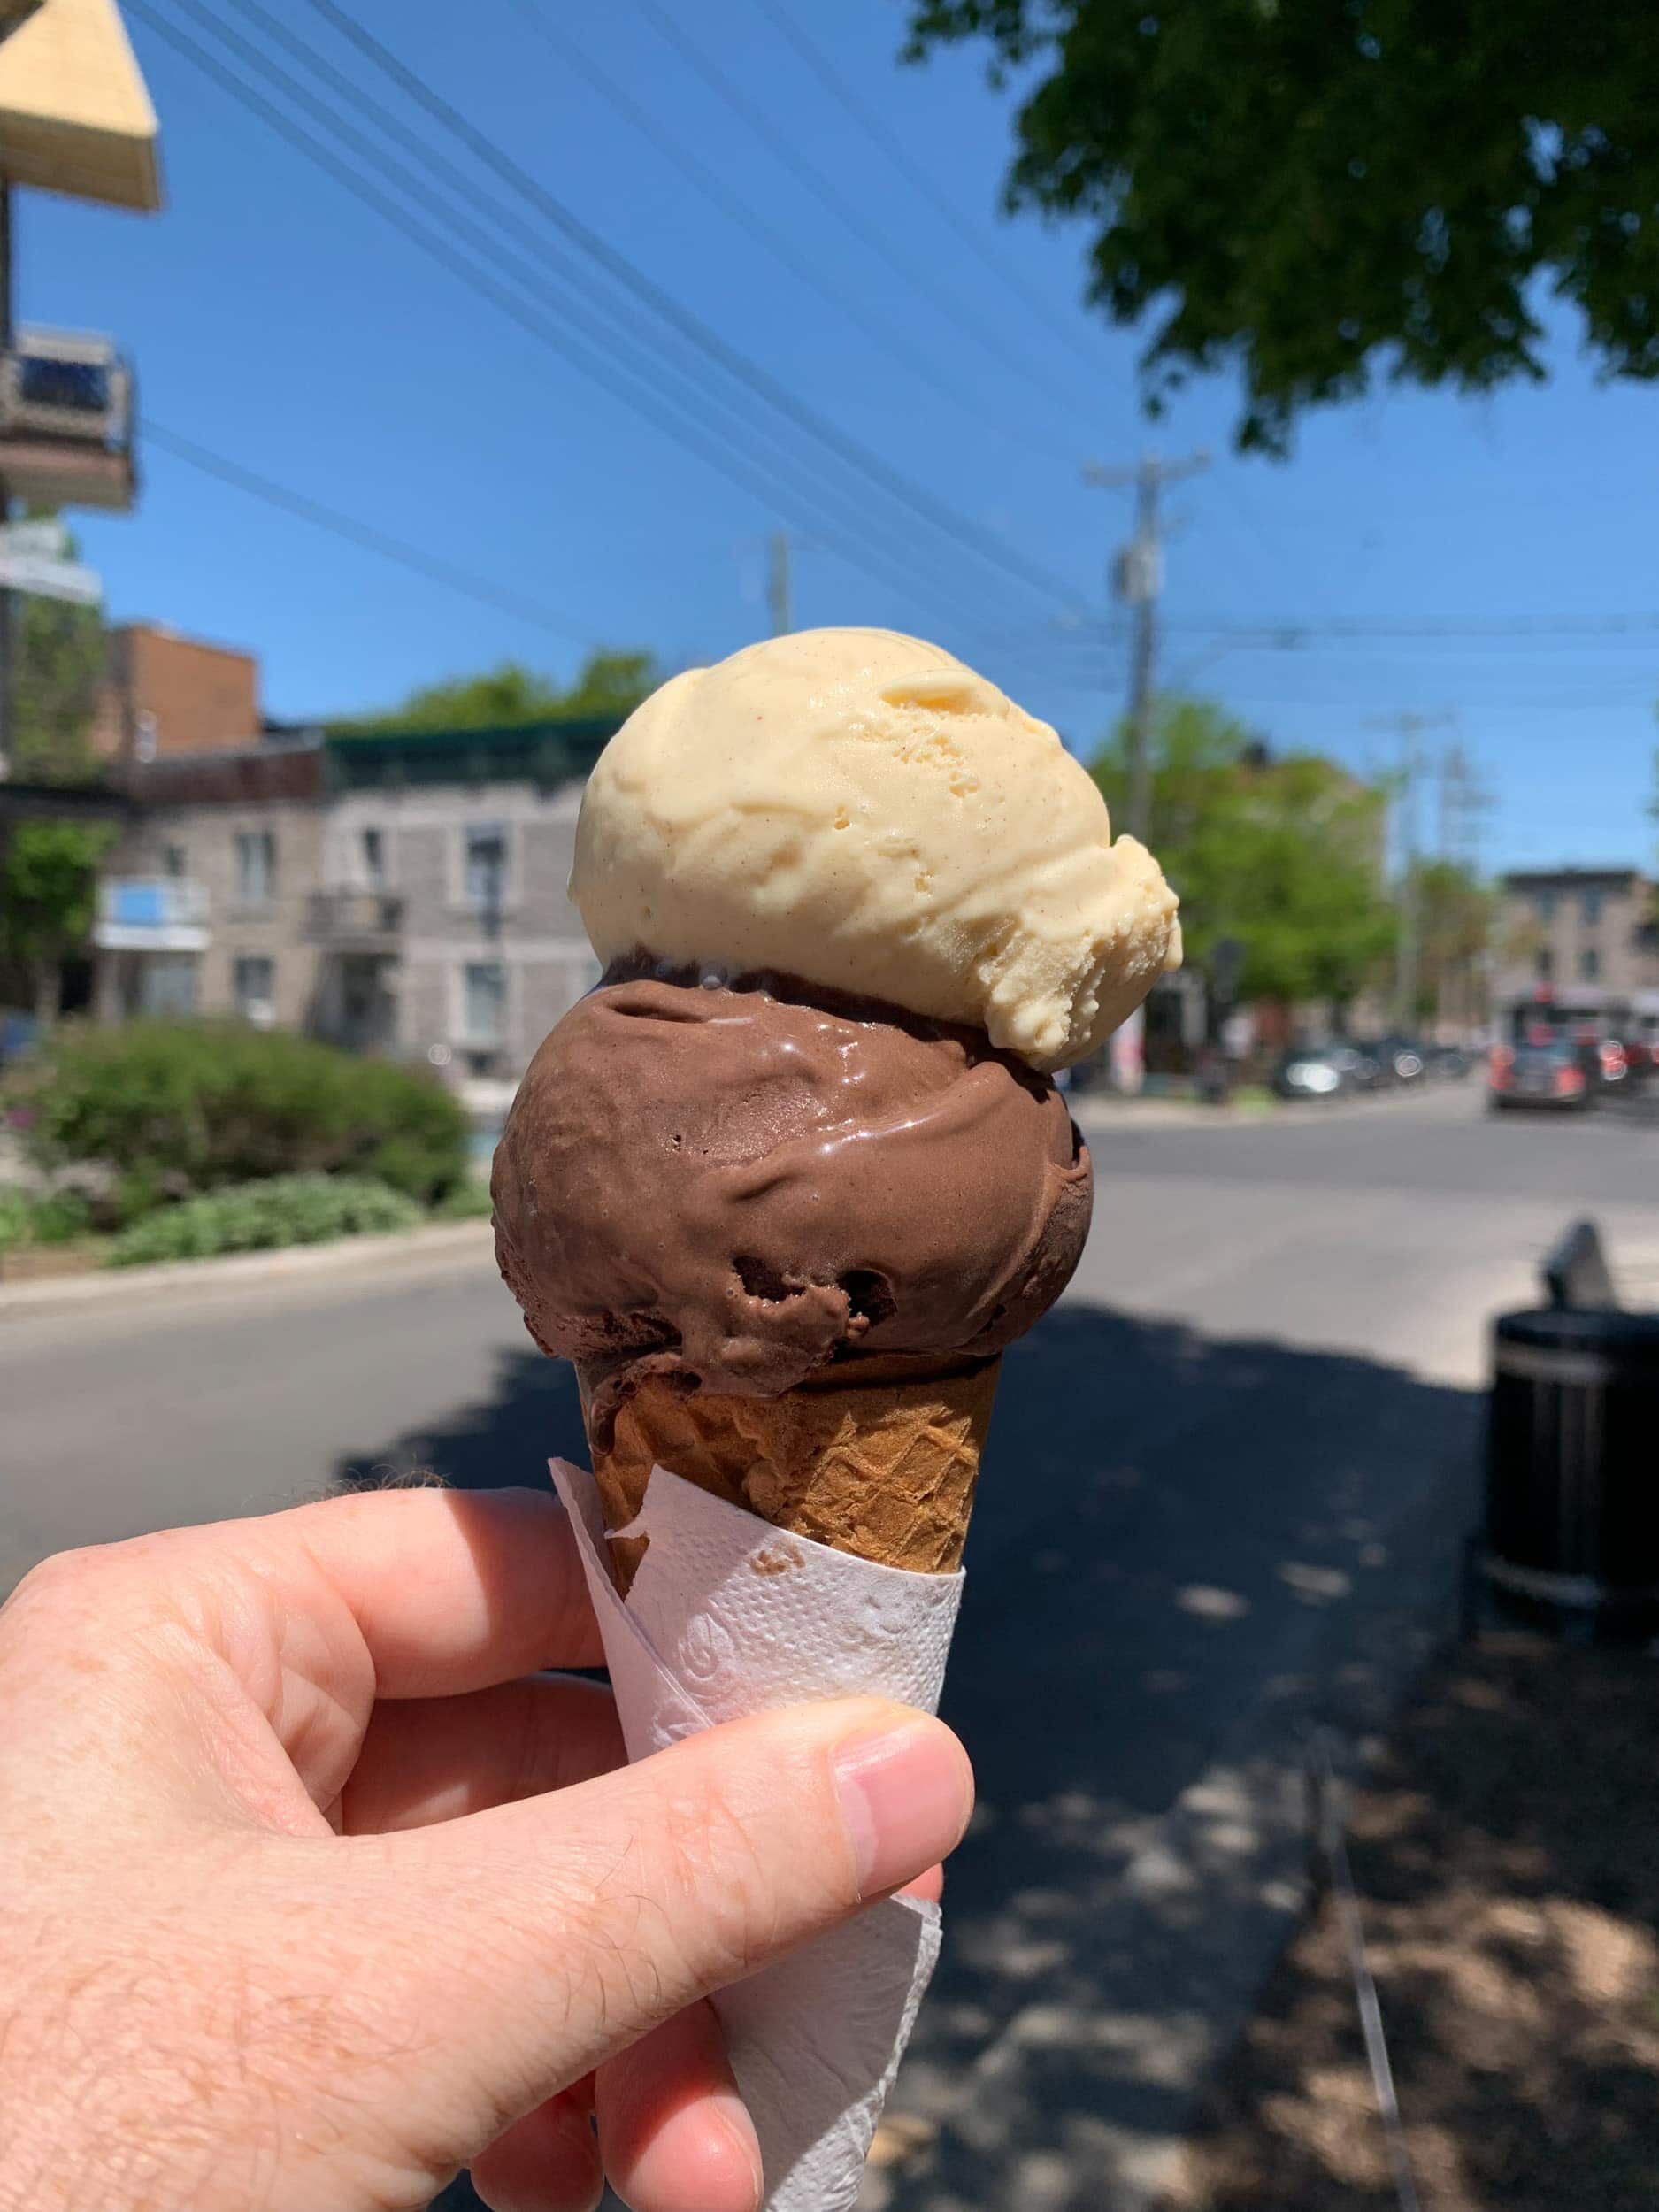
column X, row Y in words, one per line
column 400, row 893
column 1584, row 940
column 203, row 904
column 165, row 694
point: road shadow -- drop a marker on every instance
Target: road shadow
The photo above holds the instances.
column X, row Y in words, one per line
column 1186, row 1555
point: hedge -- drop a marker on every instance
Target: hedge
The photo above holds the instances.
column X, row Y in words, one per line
column 261, row 1217
column 170, row 1108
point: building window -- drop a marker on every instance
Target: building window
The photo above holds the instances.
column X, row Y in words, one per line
column 253, row 982
column 1589, row 965
column 1592, row 908
column 256, row 867
column 1544, row 903
column 485, row 866
column 484, row 1003
column 173, row 861
column 1544, row 963
column 373, row 850
column 167, row 983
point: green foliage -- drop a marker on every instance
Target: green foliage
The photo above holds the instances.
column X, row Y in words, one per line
column 1456, row 915
column 1284, row 854
column 262, row 1217
column 53, row 1217
column 49, row 891
column 608, row 683
column 58, row 669
column 469, row 1200
column 175, row 1108
column 1322, row 194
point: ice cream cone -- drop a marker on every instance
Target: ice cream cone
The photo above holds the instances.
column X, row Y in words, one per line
column 884, row 1468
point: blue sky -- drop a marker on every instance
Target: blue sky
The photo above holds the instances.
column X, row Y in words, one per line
column 278, row 322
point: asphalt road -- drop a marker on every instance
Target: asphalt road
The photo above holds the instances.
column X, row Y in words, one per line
column 1227, row 1484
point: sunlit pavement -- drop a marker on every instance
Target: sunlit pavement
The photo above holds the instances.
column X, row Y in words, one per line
column 1224, row 1499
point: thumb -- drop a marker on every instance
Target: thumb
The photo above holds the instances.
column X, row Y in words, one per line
column 557, row 1930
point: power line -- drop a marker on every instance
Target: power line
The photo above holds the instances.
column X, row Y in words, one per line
column 766, row 387
column 364, row 533
column 602, row 365
column 876, row 327
column 869, row 235
column 571, row 304
column 894, row 146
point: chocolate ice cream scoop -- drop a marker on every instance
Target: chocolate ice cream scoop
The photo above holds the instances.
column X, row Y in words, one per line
column 746, row 1186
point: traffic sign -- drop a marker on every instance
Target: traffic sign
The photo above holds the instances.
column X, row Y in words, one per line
column 44, row 540
column 50, row 580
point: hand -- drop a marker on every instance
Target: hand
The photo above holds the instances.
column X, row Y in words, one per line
column 313, row 1892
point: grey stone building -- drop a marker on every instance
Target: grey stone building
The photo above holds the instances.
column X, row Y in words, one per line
column 1584, row 940
column 204, row 899
column 402, row 894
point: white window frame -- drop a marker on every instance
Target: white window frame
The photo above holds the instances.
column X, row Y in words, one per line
column 241, row 839
column 467, row 1040
column 508, row 833
column 242, row 1000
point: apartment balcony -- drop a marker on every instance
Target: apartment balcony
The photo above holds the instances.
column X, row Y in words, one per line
column 356, row 921
column 152, row 914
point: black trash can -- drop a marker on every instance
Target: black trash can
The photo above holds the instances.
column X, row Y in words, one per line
column 1572, row 1470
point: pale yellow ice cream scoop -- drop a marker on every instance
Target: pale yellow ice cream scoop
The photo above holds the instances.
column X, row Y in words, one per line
column 857, row 809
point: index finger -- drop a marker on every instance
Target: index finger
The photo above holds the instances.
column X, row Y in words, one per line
column 454, row 1590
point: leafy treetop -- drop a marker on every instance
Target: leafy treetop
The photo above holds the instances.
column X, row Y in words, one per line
column 1320, row 192
column 1283, row 855
column 608, row 684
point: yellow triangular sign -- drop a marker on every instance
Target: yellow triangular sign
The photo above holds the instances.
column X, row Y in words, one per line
column 75, row 114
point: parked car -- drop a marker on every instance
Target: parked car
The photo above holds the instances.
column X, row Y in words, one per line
column 1325, row 1071
column 1449, row 1063
column 1550, row 1075
column 1403, row 1059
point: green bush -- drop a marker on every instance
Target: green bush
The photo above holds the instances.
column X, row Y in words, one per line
column 175, row 1108
column 468, row 1202
column 261, row 1217
column 58, row 1218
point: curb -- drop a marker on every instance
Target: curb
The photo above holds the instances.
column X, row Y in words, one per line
column 111, row 1286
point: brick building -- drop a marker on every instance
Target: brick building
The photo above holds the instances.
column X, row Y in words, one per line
column 165, row 694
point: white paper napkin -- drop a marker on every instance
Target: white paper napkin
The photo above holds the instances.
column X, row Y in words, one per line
column 727, row 1615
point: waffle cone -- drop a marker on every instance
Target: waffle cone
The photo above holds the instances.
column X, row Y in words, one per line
column 882, row 1469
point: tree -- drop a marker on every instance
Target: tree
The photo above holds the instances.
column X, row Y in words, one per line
column 58, row 669
column 609, row 684
column 1457, row 914
column 1322, row 194
column 49, row 881
column 1284, row 854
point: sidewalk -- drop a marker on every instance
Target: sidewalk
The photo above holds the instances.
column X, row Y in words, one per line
column 204, row 1278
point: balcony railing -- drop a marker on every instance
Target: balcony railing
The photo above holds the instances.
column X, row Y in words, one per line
column 152, row 914
column 344, row 918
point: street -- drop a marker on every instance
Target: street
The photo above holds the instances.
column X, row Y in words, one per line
column 1226, row 1489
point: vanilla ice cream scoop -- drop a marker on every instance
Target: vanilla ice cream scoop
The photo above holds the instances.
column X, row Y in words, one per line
column 858, row 810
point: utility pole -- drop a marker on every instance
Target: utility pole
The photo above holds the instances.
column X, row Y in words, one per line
column 1465, row 798
column 1138, row 579
column 779, row 594
column 1410, row 726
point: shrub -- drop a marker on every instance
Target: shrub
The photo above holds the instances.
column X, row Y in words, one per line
column 58, row 1218
column 171, row 1109
column 468, row 1202
column 261, row 1217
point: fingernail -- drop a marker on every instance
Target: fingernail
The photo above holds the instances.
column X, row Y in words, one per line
column 905, row 1797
